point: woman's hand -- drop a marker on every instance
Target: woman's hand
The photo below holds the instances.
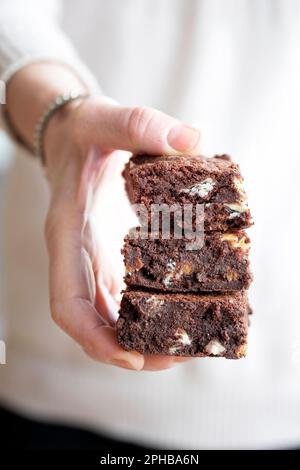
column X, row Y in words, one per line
column 85, row 146
column 87, row 210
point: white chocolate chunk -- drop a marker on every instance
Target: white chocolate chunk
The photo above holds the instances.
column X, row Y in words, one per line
column 215, row 348
column 171, row 265
column 240, row 208
column 238, row 183
column 154, row 301
column 153, row 306
column 168, row 279
column 183, row 337
column 233, row 215
column 200, row 189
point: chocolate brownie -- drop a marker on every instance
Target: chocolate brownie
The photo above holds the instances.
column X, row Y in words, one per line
column 167, row 265
column 179, row 180
column 189, row 179
column 214, row 217
column 226, row 216
column 184, row 324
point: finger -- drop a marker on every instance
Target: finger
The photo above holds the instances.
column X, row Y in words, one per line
column 156, row 363
column 105, row 301
column 68, row 228
column 72, row 295
column 139, row 130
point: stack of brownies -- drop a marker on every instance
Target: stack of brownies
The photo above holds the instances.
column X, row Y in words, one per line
column 180, row 301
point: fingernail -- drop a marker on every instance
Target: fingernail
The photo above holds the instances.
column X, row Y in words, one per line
column 182, row 359
column 183, row 138
column 136, row 362
column 122, row 363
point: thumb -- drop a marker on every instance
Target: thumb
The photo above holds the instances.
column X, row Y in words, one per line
column 139, row 130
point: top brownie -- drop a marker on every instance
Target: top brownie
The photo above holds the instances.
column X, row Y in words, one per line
column 183, row 180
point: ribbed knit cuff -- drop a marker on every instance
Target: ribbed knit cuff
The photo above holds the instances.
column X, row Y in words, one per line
column 80, row 70
column 30, row 33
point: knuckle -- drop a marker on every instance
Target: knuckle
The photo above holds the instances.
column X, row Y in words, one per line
column 81, row 122
column 89, row 349
column 89, row 346
column 56, row 309
column 138, row 122
column 48, row 227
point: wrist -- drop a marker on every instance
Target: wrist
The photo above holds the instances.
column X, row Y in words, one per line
column 60, row 133
column 30, row 91
column 57, row 125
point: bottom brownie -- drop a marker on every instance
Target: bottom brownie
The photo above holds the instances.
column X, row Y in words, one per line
column 184, row 324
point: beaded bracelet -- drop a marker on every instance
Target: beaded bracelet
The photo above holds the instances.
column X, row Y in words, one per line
column 59, row 102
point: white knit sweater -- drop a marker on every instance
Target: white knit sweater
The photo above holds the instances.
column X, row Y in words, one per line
column 233, row 68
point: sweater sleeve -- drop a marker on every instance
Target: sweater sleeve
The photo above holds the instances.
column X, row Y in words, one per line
column 30, row 32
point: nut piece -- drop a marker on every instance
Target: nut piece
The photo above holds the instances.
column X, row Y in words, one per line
column 232, row 275
column 176, row 272
column 235, row 241
column 138, row 264
column 215, row 348
column 200, row 189
column 241, row 351
column 184, row 270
